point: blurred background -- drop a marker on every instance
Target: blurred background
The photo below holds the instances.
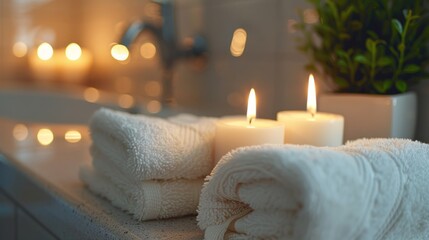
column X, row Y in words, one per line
column 248, row 43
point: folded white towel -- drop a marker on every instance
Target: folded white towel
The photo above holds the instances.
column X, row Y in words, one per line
column 367, row 189
column 154, row 148
column 147, row 200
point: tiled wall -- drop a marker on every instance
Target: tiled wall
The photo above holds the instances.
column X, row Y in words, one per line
column 270, row 62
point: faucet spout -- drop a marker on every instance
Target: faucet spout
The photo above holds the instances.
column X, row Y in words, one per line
column 170, row 51
column 135, row 29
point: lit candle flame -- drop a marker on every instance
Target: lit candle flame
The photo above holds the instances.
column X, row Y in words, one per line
column 148, row 50
column 119, row 52
column 251, row 106
column 73, row 51
column 45, row 136
column 311, row 96
column 20, row 132
column 72, row 136
column 19, row 49
column 45, row 51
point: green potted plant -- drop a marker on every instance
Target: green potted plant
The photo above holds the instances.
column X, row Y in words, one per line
column 372, row 52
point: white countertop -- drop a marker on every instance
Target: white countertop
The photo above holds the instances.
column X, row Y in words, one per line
column 63, row 204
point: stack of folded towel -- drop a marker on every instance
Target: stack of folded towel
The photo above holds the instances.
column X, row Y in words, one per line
column 148, row 166
column 367, row 189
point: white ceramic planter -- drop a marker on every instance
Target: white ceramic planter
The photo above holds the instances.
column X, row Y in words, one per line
column 372, row 116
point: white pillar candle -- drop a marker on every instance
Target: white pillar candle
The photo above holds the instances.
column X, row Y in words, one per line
column 71, row 64
column 74, row 63
column 235, row 132
column 42, row 63
column 312, row 127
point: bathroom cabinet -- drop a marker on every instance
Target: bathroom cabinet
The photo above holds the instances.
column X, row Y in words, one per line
column 7, row 218
column 16, row 224
column 28, row 228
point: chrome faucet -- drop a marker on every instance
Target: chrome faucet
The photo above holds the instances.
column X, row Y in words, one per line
column 169, row 49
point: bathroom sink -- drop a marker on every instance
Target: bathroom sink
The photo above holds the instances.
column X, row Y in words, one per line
column 46, row 106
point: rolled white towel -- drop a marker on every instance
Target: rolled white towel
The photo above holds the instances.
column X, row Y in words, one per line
column 154, row 148
column 147, row 200
column 367, row 189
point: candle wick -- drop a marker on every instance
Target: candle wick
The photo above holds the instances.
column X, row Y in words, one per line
column 250, row 120
column 312, row 114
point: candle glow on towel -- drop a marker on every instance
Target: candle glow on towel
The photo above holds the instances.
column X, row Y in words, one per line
column 235, row 132
column 312, row 127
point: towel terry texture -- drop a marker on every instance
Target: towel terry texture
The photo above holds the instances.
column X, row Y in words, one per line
column 150, row 199
column 366, row 189
column 150, row 167
column 154, row 148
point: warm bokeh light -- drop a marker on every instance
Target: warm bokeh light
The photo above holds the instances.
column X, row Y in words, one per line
column 73, row 51
column 119, row 52
column 19, row 49
column 91, row 94
column 251, row 106
column 238, row 42
column 125, row 101
column 153, row 106
column 20, row 132
column 45, row 136
column 311, row 96
column 152, row 88
column 72, row 136
column 148, row 50
column 45, row 51
column 311, row 16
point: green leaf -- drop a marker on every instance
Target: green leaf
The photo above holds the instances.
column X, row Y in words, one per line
column 380, row 87
column 414, row 17
column 401, row 47
column 401, row 86
column 346, row 14
column 341, row 53
column 394, row 52
column 405, row 13
column 383, row 86
column 397, row 25
column 411, row 68
column 361, row 59
column 342, row 63
column 370, row 45
column 324, row 29
column 384, row 61
column 334, row 10
column 387, row 84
